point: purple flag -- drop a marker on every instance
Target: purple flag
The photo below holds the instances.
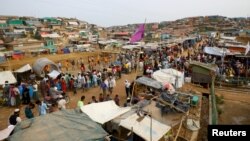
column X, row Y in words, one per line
column 138, row 35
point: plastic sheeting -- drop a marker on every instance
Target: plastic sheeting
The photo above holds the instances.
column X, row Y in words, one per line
column 39, row 65
column 131, row 47
column 142, row 128
column 149, row 82
column 7, row 76
column 65, row 125
column 4, row 134
column 54, row 74
column 217, row 51
column 24, row 68
column 169, row 76
column 103, row 111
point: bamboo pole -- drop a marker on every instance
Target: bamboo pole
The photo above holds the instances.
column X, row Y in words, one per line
column 182, row 119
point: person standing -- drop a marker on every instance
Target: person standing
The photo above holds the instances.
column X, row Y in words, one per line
column 42, row 107
column 127, row 88
column 26, row 96
column 35, row 91
column 31, row 91
column 111, row 84
column 12, row 96
column 18, row 98
column 14, row 119
column 104, row 88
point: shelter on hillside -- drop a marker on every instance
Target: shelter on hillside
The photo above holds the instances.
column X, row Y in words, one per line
column 43, row 66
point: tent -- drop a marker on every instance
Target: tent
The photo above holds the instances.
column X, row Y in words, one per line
column 54, row 74
column 4, row 134
column 149, row 82
column 142, row 128
column 24, row 68
column 2, row 57
column 104, row 111
column 65, row 125
column 7, row 76
column 39, row 65
column 169, row 76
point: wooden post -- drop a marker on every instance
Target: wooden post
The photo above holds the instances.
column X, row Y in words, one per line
column 182, row 119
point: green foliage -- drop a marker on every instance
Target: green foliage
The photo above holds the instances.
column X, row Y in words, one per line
column 219, row 110
column 219, row 99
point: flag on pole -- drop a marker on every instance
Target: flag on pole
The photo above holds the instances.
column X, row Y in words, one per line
column 247, row 48
column 138, row 35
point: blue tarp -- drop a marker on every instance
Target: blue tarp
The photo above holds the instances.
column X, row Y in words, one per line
column 2, row 59
column 66, row 50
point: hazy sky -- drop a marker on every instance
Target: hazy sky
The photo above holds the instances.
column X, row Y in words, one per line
column 122, row 12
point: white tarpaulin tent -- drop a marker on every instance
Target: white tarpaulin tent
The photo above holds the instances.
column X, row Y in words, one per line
column 4, row 134
column 217, row 51
column 142, row 128
column 54, row 74
column 24, row 68
column 104, row 111
column 7, row 76
column 169, row 76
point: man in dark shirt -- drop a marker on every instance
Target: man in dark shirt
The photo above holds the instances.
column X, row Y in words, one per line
column 14, row 119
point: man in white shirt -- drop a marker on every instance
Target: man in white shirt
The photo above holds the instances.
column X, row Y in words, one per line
column 127, row 88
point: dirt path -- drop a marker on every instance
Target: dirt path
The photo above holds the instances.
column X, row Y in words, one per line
column 15, row 64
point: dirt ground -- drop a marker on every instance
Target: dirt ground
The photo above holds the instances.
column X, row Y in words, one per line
column 236, row 106
column 15, row 64
column 235, row 112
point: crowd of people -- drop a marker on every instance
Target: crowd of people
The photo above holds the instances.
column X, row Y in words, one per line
column 103, row 72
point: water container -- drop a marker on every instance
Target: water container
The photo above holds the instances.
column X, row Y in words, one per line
column 195, row 100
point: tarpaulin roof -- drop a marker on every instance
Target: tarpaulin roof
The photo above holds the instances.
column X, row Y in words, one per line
column 4, row 134
column 217, row 51
column 65, row 125
column 54, row 74
column 24, row 68
column 142, row 128
column 149, row 82
column 7, row 76
column 103, row 111
column 131, row 47
column 53, row 35
column 211, row 67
